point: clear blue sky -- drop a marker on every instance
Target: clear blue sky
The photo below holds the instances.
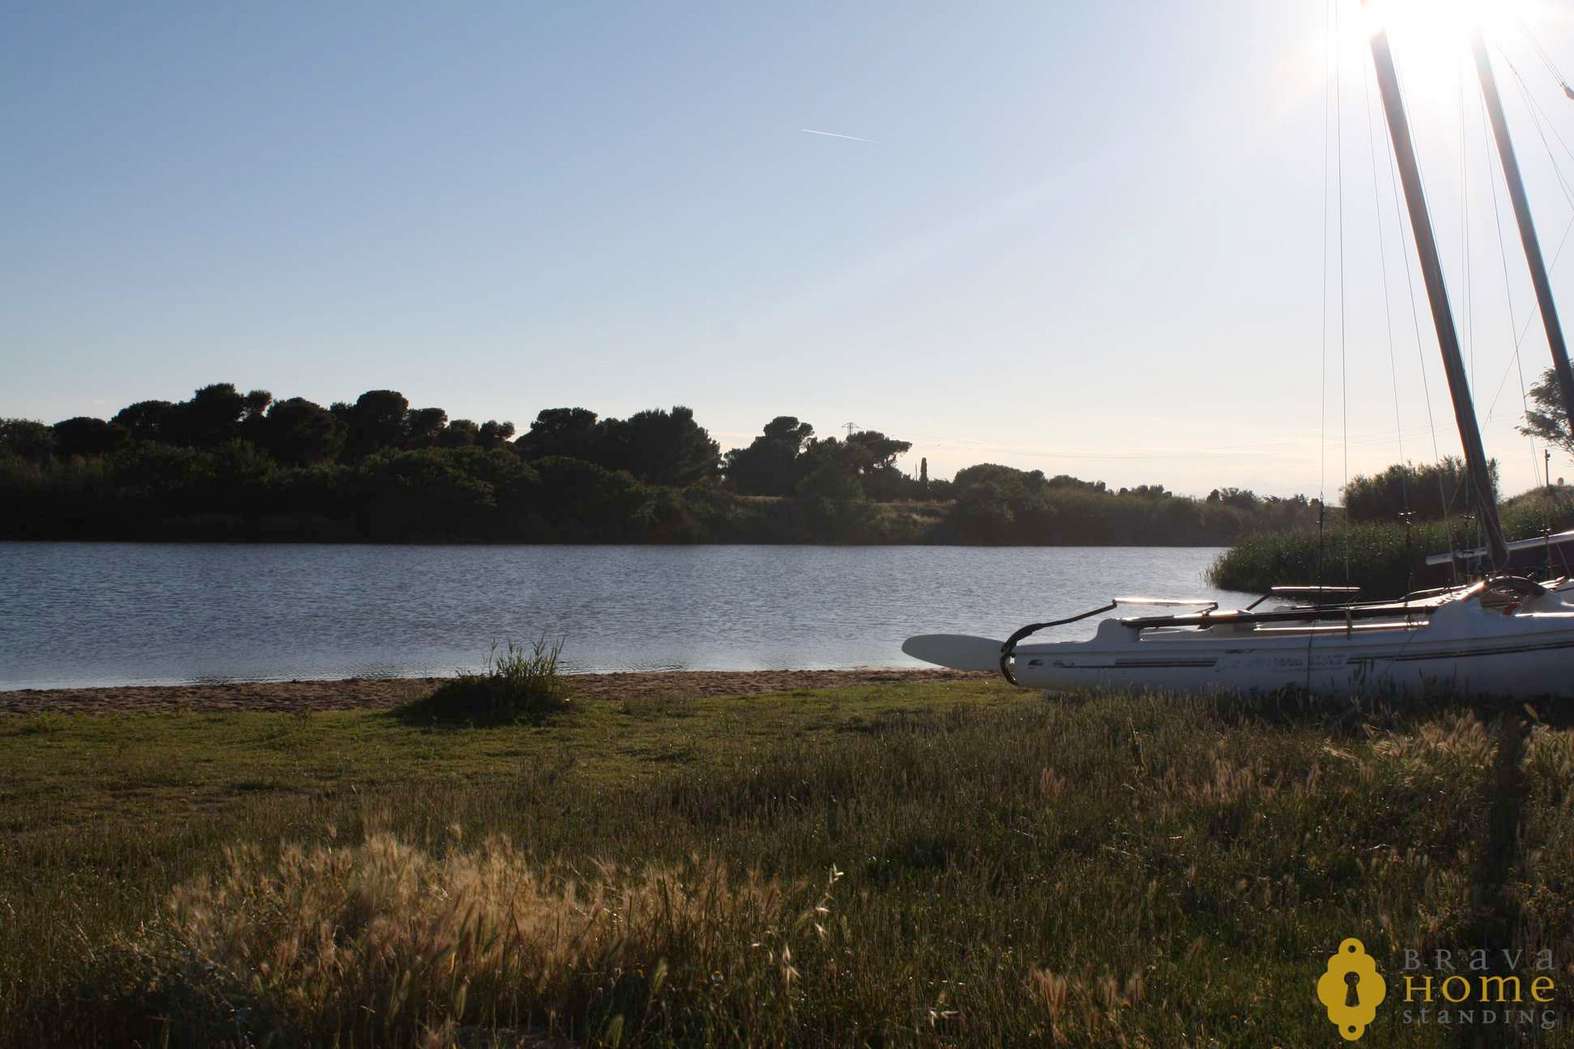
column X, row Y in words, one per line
column 1081, row 237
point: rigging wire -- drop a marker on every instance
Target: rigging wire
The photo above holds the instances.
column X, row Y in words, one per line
column 1467, row 281
column 1405, row 513
column 1508, row 294
column 1540, row 119
column 1331, row 46
column 1546, row 60
column 1330, row 37
column 1344, row 381
column 1530, row 319
column 1466, row 290
column 1543, row 123
column 1388, row 313
column 1415, row 314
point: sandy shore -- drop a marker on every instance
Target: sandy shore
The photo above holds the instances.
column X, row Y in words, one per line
column 366, row 693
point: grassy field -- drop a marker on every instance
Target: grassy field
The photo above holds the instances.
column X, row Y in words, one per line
column 913, row 864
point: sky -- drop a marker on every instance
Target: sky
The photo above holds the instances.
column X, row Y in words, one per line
column 1096, row 239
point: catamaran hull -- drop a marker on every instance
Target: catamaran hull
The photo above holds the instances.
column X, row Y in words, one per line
column 1514, row 672
column 1463, row 650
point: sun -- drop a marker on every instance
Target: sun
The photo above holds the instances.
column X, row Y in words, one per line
column 1432, row 38
column 1445, row 21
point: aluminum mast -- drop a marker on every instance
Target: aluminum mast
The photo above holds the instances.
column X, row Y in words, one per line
column 1527, row 229
column 1437, row 294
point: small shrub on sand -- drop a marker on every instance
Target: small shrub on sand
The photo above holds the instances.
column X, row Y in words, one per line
column 517, row 683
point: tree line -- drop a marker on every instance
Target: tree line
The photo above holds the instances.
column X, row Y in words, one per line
column 227, row 464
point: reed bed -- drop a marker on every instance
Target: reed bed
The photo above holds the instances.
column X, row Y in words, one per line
column 1386, row 559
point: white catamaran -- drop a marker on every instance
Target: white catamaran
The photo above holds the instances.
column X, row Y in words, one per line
column 1502, row 635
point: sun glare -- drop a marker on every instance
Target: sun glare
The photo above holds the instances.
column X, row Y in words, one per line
column 1432, row 38
column 1444, row 20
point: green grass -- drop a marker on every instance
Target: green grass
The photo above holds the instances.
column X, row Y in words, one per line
column 1111, row 870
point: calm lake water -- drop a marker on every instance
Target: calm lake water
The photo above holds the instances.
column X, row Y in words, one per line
column 124, row 613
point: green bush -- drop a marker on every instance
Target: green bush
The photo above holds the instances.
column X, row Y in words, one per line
column 517, row 683
column 1431, row 491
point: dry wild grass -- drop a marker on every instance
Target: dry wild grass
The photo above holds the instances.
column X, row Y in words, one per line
column 1542, row 886
column 384, row 943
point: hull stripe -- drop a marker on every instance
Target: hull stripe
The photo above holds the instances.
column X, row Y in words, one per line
column 1417, row 657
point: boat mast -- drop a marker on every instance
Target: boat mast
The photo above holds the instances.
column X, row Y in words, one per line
column 1527, row 229
column 1437, row 294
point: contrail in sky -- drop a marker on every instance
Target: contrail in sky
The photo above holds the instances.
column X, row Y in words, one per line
column 834, row 134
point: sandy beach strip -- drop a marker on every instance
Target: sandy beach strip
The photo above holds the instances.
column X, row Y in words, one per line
column 381, row 693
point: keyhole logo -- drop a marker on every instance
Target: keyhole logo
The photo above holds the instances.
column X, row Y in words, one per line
column 1351, row 989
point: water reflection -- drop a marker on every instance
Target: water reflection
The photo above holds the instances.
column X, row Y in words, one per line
column 111, row 613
